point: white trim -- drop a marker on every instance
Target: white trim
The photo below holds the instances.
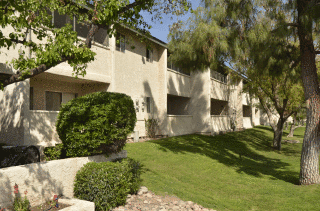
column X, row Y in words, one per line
column 218, row 81
column 43, row 111
column 174, row 71
column 174, row 115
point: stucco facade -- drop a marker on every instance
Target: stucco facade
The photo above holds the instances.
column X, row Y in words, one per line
column 183, row 104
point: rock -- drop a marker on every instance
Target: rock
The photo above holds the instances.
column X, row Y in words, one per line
column 142, row 190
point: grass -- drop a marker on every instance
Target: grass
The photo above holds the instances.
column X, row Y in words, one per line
column 234, row 171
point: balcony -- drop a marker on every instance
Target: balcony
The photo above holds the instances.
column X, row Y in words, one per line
column 178, row 83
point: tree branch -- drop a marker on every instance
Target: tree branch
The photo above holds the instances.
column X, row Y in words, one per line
column 317, row 52
column 35, row 71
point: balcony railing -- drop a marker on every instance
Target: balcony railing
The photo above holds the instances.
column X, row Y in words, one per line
column 171, row 66
column 218, row 76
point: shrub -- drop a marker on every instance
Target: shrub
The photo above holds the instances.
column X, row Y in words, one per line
column 107, row 184
column 54, row 153
column 152, row 125
column 95, row 122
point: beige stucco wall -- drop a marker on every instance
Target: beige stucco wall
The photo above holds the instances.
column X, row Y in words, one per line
column 199, row 106
column 180, row 125
column 220, row 123
column 13, row 105
column 247, row 122
column 245, row 99
column 219, row 90
column 178, row 83
column 139, row 78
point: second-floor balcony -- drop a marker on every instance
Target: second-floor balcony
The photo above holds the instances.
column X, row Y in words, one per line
column 218, row 76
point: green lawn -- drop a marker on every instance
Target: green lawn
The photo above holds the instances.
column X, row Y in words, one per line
column 235, row 171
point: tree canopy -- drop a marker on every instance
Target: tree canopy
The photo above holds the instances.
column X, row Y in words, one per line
column 56, row 45
column 270, row 37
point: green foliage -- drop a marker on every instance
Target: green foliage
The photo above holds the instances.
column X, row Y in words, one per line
column 60, row 44
column 54, row 153
column 151, row 125
column 107, row 184
column 86, row 122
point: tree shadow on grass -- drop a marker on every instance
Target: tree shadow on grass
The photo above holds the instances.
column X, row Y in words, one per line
column 237, row 149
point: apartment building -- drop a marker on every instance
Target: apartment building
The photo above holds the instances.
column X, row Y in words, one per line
column 200, row 102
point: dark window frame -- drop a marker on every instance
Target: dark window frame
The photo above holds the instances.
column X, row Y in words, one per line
column 121, row 46
column 148, row 102
column 31, row 99
column 149, row 55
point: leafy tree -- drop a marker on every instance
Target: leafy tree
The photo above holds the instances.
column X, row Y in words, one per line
column 62, row 45
column 223, row 31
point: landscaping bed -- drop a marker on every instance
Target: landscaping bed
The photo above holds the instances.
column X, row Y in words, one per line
column 50, row 205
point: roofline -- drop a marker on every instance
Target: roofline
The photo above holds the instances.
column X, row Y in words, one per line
column 152, row 38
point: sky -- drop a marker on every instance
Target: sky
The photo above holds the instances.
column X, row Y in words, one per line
column 161, row 31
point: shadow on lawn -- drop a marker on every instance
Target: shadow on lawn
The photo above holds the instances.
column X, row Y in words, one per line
column 234, row 150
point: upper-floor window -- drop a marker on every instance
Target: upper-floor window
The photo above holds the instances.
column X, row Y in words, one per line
column 120, row 42
column 82, row 29
column 149, row 54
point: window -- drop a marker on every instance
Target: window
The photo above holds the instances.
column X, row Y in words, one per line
column 53, row 101
column 149, row 54
column 120, row 42
column 31, row 98
column 148, row 104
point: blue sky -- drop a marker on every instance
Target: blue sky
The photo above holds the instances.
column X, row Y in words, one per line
column 161, row 31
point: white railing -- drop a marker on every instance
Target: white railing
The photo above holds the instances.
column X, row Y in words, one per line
column 179, row 125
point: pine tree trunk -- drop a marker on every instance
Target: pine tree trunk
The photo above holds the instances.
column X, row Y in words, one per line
column 309, row 167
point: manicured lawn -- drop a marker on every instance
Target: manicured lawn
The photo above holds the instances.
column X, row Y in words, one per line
column 235, row 171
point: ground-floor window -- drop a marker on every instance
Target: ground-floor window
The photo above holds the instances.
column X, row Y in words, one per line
column 177, row 105
column 246, row 111
column 219, row 107
column 53, row 100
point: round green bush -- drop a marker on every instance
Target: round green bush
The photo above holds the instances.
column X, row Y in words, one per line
column 95, row 122
column 107, row 184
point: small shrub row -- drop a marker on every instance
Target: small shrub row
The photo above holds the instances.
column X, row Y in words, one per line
column 107, row 184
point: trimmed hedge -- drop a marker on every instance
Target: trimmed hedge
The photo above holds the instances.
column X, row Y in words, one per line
column 96, row 123
column 54, row 153
column 107, row 184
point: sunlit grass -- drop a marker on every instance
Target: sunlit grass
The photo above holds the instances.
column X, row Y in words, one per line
column 235, row 171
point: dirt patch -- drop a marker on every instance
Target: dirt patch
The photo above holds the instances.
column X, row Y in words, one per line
column 291, row 141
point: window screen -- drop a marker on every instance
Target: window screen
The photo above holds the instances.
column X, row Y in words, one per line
column 53, row 101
